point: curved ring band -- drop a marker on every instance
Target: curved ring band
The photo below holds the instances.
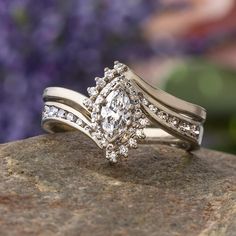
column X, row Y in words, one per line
column 119, row 112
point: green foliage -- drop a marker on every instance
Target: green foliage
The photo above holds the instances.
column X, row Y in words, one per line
column 204, row 83
column 213, row 87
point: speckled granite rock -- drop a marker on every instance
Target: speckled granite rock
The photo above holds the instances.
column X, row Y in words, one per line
column 61, row 185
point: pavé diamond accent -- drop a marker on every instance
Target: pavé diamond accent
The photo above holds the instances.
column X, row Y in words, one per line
column 153, row 108
column 144, row 122
column 116, row 112
column 92, row 91
column 79, row 122
column 195, row 130
column 61, row 113
column 46, row 109
column 53, row 111
column 178, row 124
column 88, row 103
column 124, row 150
column 112, row 156
column 163, row 115
column 174, row 121
column 70, row 116
column 184, row 126
column 133, row 143
column 100, row 82
column 140, row 134
column 145, row 102
column 119, row 67
column 109, row 74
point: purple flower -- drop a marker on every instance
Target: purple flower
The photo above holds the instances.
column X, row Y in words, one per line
column 60, row 43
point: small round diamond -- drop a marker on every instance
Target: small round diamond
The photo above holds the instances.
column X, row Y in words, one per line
column 46, row 109
column 53, row 111
column 119, row 67
column 79, row 122
column 133, row 143
column 70, row 117
column 61, row 113
column 195, row 130
column 140, row 133
column 163, row 115
column 88, row 103
column 100, row 82
column 185, row 127
column 153, row 108
column 109, row 74
column 92, row 91
column 145, row 102
column 124, row 150
column 131, row 130
column 174, row 121
column 112, row 156
column 110, row 153
column 144, row 122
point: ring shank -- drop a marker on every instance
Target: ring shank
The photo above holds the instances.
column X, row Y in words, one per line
column 194, row 111
column 73, row 102
column 159, row 136
column 153, row 135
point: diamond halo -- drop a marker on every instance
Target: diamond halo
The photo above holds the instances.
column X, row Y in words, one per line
column 115, row 112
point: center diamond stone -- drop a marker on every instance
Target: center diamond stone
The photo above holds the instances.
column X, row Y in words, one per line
column 116, row 113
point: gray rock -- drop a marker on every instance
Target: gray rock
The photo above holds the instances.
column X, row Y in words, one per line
column 62, row 185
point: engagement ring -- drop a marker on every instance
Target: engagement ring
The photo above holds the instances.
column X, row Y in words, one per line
column 123, row 110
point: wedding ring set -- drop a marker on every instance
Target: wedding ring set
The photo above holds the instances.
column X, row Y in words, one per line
column 123, row 110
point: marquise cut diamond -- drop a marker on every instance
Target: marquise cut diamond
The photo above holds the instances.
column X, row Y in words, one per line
column 116, row 112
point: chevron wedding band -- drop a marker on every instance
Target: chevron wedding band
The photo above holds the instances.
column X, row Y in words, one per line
column 123, row 110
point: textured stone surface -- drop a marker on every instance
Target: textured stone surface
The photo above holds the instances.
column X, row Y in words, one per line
column 61, row 185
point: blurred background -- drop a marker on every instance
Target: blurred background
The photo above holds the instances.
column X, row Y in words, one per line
column 187, row 47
